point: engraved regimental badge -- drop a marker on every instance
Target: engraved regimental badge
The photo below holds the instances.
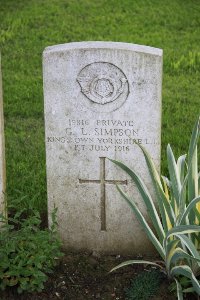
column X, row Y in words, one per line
column 103, row 82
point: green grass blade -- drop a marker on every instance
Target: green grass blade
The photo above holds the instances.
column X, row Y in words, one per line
column 131, row 262
column 186, row 271
column 146, row 198
column 144, row 224
column 179, row 290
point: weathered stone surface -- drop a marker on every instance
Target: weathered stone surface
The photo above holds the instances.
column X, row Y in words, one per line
column 100, row 98
column 2, row 151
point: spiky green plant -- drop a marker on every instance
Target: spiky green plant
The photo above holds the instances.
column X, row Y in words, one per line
column 176, row 221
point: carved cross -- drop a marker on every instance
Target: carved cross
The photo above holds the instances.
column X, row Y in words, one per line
column 103, row 181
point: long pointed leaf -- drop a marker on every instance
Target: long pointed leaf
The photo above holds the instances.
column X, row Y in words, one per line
column 179, row 290
column 131, row 262
column 179, row 254
column 184, row 270
column 181, row 163
column 163, row 203
column 181, row 167
column 179, row 230
column 191, row 205
column 166, row 186
column 189, row 290
column 182, row 199
column 174, row 176
column 166, row 191
column 170, row 248
column 189, row 245
column 144, row 224
column 192, row 162
column 146, row 198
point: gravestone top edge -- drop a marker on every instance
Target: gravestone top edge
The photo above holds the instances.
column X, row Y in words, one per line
column 104, row 45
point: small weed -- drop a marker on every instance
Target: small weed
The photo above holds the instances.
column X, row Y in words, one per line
column 144, row 285
column 27, row 254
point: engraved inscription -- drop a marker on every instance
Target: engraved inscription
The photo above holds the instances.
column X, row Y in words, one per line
column 103, row 181
column 102, row 135
column 102, row 82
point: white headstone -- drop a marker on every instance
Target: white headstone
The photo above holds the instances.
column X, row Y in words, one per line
column 2, row 151
column 100, row 98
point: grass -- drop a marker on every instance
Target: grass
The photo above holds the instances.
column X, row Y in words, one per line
column 28, row 26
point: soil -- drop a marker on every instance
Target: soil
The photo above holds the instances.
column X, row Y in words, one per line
column 86, row 276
